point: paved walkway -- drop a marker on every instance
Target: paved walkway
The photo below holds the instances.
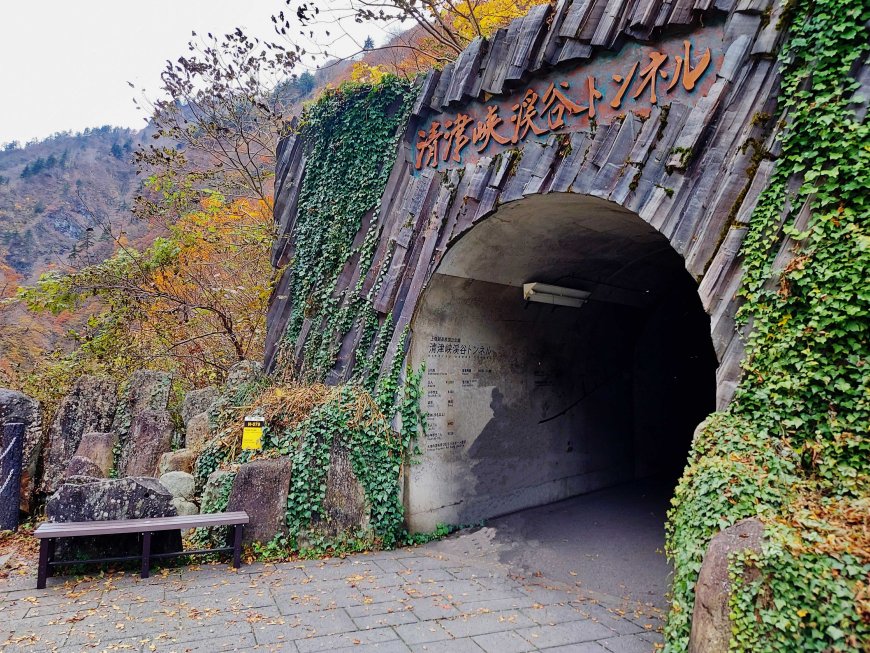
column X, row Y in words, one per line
column 420, row 599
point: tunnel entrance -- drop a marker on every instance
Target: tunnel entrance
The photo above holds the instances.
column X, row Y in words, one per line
column 531, row 403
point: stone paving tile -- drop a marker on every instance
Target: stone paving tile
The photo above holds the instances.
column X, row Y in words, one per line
column 345, row 640
column 431, row 607
column 394, row 602
column 585, row 647
column 485, row 622
column 503, row 642
column 374, row 608
column 627, row 644
column 386, row 619
column 466, row 645
column 571, row 632
column 393, row 646
column 423, row 632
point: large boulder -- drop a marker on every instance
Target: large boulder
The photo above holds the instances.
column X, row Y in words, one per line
column 99, row 449
column 18, row 407
column 82, row 466
column 198, row 401
column 89, row 407
column 110, row 499
column 149, row 438
column 181, row 484
column 198, row 432
column 345, row 507
column 711, row 624
column 180, row 460
column 184, row 507
column 260, row 489
column 145, row 391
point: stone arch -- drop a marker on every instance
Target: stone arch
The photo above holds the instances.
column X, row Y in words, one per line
column 530, row 403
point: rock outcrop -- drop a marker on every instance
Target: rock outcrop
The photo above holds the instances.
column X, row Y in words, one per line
column 81, row 466
column 89, row 407
column 18, row 407
column 198, row 401
column 198, row 432
column 260, row 488
column 181, row 484
column 149, row 438
column 180, row 460
column 711, row 624
column 241, row 373
column 84, row 499
column 99, row 449
column 144, row 390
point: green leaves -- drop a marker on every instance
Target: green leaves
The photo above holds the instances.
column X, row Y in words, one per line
column 796, row 432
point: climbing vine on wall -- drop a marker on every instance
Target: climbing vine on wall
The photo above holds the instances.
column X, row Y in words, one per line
column 351, row 133
column 793, row 449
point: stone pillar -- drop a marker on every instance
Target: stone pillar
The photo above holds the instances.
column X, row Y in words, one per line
column 11, row 448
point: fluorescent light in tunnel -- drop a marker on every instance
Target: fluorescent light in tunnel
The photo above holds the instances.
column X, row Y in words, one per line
column 555, row 295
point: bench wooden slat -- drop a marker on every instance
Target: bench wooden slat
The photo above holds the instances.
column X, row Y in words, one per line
column 84, row 528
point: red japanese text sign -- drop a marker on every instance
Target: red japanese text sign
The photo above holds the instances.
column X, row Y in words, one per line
column 679, row 69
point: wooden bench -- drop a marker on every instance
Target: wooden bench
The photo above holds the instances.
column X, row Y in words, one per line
column 49, row 532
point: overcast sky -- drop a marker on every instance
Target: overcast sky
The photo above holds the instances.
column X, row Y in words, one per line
column 64, row 65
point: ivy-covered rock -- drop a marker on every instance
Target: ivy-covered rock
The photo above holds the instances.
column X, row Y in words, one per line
column 216, row 492
column 197, row 402
column 149, row 438
column 18, row 407
column 792, row 447
column 89, row 407
column 711, row 624
column 345, row 507
column 260, row 488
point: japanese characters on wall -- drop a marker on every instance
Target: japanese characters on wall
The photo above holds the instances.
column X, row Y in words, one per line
column 634, row 80
column 454, row 367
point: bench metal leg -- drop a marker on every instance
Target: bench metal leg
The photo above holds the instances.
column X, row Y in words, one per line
column 42, row 571
column 238, row 530
column 51, row 543
column 146, row 554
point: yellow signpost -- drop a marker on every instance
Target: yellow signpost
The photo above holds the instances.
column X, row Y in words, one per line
column 252, row 433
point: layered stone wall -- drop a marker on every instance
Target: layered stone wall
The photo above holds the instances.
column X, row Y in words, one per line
column 661, row 111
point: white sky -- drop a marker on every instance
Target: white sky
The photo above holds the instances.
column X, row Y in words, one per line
column 64, row 64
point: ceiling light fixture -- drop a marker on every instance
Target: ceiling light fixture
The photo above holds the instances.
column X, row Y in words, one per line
column 555, row 295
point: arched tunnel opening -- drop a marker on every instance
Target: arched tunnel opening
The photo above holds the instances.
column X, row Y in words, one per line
column 533, row 402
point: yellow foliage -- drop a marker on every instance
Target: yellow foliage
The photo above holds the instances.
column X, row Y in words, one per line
column 367, row 74
column 471, row 18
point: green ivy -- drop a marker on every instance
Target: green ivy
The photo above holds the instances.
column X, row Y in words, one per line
column 351, row 134
column 796, row 431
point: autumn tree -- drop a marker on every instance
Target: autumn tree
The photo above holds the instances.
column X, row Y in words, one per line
column 216, row 125
column 193, row 302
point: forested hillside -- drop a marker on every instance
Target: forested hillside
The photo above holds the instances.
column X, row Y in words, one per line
column 64, row 199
